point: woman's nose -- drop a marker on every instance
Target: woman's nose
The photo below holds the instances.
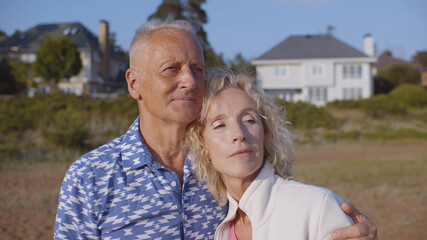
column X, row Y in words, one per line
column 238, row 133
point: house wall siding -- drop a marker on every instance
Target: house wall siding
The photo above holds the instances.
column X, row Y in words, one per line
column 301, row 77
column 269, row 80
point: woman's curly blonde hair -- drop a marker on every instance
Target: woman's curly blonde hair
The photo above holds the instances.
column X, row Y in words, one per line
column 278, row 145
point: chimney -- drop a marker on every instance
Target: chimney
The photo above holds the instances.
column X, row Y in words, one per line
column 368, row 45
column 104, row 48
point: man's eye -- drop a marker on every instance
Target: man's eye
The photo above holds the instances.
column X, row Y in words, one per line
column 172, row 68
column 197, row 69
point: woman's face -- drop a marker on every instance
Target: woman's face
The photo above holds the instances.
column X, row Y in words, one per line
column 234, row 135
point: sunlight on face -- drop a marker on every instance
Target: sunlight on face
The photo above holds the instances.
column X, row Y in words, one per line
column 234, row 135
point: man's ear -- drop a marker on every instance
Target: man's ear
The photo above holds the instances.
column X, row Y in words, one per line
column 132, row 80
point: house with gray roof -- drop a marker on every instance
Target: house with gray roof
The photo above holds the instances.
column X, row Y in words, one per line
column 103, row 68
column 316, row 69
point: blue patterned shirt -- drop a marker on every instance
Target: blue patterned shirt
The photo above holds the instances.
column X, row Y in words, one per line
column 119, row 192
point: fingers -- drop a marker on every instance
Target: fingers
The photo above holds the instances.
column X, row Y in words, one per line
column 348, row 208
column 356, row 231
column 353, row 212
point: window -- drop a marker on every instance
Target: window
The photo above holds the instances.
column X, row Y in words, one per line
column 352, row 71
column 317, row 94
column 281, row 71
column 317, row 70
column 352, row 93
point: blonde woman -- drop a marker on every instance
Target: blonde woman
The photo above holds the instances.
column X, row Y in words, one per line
column 242, row 149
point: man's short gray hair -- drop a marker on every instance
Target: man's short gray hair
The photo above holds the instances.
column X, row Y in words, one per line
column 147, row 29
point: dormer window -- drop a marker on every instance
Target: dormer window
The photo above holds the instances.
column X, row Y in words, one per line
column 74, row 30
column 66, row 31
column 70, row 31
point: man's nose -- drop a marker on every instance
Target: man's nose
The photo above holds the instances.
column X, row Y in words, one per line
column 188, row 79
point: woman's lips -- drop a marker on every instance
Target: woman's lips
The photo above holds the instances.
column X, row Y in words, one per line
column 241, row 151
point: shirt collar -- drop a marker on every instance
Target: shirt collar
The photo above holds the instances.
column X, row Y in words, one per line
column 135, row 152
column 256, row 197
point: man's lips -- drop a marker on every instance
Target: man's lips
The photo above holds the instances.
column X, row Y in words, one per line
column 185, row 98
column 241, row 151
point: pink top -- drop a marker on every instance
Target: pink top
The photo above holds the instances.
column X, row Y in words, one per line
column 232, row 233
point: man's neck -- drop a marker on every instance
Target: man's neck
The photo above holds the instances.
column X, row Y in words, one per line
column 164, row 141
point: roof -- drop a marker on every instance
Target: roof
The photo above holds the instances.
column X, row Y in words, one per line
column 386, row 60
column 31, row 39
column 311, row 46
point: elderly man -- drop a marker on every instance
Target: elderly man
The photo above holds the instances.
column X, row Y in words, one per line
column 140, row 185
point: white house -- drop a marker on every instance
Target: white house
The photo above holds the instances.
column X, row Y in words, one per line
column 316, row 69
column 103, row 68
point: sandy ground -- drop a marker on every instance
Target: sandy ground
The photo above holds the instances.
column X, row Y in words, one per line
column 29, row 192
column 392, row 191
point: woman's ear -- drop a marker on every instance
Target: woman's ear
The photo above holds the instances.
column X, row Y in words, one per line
column 132, row 80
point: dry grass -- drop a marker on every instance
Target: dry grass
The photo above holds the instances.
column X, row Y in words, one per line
column 386, row 181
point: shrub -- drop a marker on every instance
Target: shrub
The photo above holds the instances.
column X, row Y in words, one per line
column 381, row 105
column 66, row 128
column 17, row 114
column 307, row 116
column 410, row 95
column 341, row 104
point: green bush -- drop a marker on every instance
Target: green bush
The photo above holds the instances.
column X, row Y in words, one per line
column 410, row 95
column 381, row 105
column 342, row 104
column 17, row 114
column 66, row 128
column 307, row 116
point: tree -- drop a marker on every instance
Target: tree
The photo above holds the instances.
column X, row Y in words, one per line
column 421, row 58
column 8, row 82
column 22, row 72
column 240, row 65
column 382, row 85
column 397, row 74
column 56, row 59
column 168, row 10
column 117, row 48
column 190, row 10
column 388, row 53
column 2, row 34
column 17, row 33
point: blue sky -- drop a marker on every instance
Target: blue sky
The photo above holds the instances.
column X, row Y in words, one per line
column 250, row 27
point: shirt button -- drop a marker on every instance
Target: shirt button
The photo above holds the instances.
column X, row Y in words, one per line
column 185, row 217
column 173, row 184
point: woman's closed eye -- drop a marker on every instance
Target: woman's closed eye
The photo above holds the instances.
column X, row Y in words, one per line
column 249, row 119
column 218, row 125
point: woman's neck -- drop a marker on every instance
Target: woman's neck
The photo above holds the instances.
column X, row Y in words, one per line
column 236, row 187
column 242, row 225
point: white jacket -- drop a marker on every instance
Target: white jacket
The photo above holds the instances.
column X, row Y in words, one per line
column 286, row 209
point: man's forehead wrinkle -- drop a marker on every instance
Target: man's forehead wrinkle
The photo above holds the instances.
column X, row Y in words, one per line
column 146, row 46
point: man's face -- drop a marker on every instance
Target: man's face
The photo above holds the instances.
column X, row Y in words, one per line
column 170, row 77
